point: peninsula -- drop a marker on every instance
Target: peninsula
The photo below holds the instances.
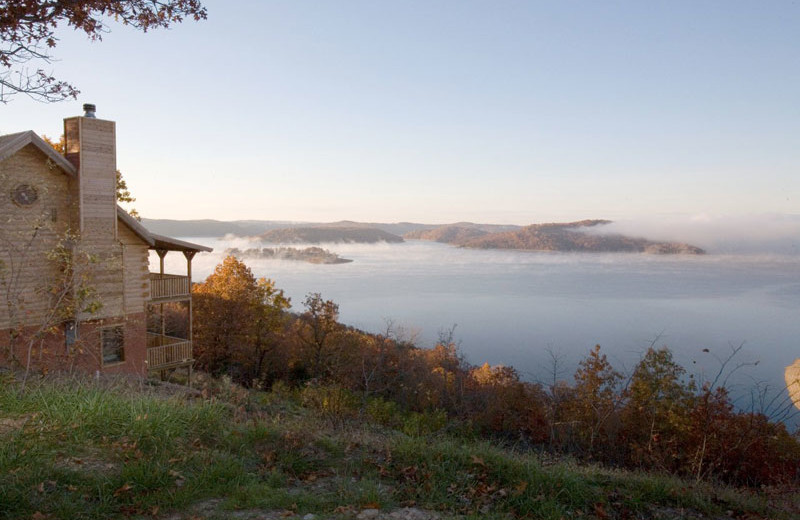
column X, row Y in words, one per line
column 312, row 255
column 578, row 236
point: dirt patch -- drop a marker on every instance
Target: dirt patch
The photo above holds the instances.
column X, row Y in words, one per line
column 210, row 509
column 12, row 424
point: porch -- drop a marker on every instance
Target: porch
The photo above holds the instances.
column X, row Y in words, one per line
column 166, row 352
column 169, row 336
column 167, row 287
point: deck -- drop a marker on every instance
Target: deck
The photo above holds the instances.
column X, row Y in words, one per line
column 169, row 287
column 165, row 352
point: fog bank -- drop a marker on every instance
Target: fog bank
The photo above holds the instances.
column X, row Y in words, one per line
column 721, row 234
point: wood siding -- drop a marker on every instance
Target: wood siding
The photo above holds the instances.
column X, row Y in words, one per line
column 34, row 225
column 135, row 270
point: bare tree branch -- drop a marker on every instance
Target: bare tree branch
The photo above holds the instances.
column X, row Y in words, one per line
column 28, row 35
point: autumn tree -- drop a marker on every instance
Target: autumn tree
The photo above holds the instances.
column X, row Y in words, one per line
column 595, row 400
column 316, row 330
column 498, row 402
column 657, row 411
column 28, row 35
column 238, row 320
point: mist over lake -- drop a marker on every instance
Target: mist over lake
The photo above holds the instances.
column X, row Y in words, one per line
column 510, row 307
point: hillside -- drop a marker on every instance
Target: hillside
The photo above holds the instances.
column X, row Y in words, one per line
column 333, row 234
column 212, row 228
column 457, row 233
column 77, row 448
column 396, row 228
column 566, row 237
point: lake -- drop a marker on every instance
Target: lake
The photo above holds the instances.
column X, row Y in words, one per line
column 516, row 308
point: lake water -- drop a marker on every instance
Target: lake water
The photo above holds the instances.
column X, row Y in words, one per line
column 511, row 307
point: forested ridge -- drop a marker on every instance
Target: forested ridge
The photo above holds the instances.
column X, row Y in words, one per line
column 565, row 237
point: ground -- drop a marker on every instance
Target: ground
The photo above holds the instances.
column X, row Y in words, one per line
column 120, row 448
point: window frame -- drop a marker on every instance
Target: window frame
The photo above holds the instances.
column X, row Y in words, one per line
column 114, row 333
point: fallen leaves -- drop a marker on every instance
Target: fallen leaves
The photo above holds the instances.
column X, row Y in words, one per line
column 123, row 489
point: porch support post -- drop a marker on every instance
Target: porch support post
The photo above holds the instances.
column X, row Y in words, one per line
column 189, row 255
column 161, row 254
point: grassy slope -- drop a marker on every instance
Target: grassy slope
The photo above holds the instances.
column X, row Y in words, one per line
column 76, row 449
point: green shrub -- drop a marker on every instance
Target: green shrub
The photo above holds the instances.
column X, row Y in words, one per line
column 425, row 423
column 332, row 400
column 383, row 412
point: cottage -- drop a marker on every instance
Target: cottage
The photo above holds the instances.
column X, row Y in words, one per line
column 74, row 266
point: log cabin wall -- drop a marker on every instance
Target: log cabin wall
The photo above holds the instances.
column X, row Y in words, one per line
column 136, row 271
column 40, row 224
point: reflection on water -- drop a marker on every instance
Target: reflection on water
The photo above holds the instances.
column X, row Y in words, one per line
column 511, row 306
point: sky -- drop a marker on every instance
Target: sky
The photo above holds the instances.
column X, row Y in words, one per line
column 452, row 110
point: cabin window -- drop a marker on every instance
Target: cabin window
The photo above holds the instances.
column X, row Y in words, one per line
column 70, row 334
column 113, row 339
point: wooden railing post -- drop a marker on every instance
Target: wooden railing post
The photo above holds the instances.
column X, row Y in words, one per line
column 189, row 255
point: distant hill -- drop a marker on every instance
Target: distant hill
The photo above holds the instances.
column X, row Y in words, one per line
column 457, row 233
column 396, row 228
column 212, row 228
column 218, row 228
column 569, row 237
column 321, row 234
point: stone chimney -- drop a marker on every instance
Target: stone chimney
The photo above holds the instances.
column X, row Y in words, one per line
column 91, row 145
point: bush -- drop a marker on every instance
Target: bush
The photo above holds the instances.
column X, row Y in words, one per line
column 332, row 400
column 417, row 424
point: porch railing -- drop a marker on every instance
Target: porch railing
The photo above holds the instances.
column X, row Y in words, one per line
column 167, row 351
column 168, row 286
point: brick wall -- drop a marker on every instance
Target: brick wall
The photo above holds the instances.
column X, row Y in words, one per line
column 51, row 353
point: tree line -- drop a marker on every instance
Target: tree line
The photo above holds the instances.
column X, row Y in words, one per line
column 655, row 418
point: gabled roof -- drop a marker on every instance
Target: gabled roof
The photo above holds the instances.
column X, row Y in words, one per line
column 135, row 226
column 157, row 241
column 12, row 143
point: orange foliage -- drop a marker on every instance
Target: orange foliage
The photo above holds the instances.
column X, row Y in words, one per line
column 660, row 420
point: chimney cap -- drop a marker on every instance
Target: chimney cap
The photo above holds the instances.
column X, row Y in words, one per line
column 89, row 110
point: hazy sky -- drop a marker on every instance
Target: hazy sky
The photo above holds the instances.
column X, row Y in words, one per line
column 493, row 111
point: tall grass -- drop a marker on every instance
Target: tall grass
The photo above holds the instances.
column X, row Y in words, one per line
column 77, row 449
